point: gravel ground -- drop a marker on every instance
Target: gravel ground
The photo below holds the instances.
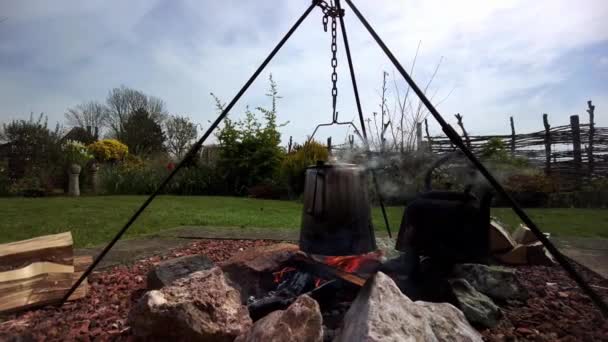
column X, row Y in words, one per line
column 555, row 311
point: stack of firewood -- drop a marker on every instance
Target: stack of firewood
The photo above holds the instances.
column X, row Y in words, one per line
column 518, row 248
column 39, row 271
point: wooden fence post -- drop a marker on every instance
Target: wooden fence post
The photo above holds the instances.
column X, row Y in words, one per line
column 547, row 144
column 428, row 136
column 576, row 148
column 419, row 142
column 464, row 132
column 590, row 157
column 512, row 136
column 576, row 139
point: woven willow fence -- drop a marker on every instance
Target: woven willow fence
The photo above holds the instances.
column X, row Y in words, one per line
column 577, row 152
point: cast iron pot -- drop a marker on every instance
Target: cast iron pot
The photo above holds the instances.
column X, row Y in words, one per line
column 336, row 217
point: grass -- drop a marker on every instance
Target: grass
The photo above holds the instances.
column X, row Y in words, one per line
column 95, row 220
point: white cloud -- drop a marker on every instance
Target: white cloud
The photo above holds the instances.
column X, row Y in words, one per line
column 503, row 58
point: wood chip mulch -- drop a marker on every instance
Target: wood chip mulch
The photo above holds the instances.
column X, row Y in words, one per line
column 102, row 315
column 556, row 309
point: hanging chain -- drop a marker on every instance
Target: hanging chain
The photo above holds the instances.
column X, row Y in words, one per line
column 333, row 12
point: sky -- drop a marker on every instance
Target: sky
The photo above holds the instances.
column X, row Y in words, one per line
column 499, row 58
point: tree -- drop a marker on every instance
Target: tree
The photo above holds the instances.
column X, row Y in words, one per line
column 142, row 134
column 393, row 128
column 35, row 150
column 88, row 114
column 122, row 102
column 250, row 152
column 180, row 133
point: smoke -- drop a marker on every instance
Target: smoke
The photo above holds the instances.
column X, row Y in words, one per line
column 401, row 176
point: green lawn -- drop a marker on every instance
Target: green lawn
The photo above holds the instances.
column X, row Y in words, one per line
column 95, row 220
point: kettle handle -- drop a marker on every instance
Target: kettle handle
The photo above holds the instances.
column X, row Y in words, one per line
column 313, row 209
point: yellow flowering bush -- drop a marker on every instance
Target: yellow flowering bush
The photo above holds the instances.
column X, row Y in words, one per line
column 108, row 150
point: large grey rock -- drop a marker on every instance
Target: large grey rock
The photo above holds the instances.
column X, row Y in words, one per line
column 300, row 322
column 170, row 270
column 478, row 308
column 382, row 313
column 201, row 307
column 496, row 282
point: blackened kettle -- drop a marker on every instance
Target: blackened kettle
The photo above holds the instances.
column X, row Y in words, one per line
column 336, row 216
column 449, row 226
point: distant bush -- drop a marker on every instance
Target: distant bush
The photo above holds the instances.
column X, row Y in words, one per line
column 294, row 165
column 125, row 179
column 196, row 180
column 35, row 152
column 108, row 150
column 29, row 186
column 138, row 177
column 530, row 182
column 76, row 152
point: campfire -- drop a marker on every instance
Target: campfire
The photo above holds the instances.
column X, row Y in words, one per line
column 321, row 277
column 336, row 285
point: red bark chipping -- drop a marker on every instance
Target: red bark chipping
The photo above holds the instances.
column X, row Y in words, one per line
column 555, row 311
column 103, row 313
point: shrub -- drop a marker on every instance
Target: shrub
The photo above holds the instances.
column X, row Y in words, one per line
column 495, row 152
column 294, row 165
column 123, row 179
column 250, row 151
column 34, row 149
column 108, row 150
column 196, row 180
column 28, row 186
column 529, row 182
column 134, row 176
column 76, row 152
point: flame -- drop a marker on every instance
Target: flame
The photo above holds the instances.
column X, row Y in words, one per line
column 352, row 263
column 348, row 263
column 278, row 276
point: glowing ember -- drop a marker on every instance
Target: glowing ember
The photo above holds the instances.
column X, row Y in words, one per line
column 353, row 263
column 278, row 276
column 348, row 263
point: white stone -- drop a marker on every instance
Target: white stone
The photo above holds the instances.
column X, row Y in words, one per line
column 382, row 313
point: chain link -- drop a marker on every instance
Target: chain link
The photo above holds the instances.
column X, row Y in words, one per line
column 333, row 12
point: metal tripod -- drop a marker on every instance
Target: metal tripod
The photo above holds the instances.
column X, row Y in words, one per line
column 447, row 129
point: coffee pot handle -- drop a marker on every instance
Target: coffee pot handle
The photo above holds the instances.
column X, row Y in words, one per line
column 313, row 210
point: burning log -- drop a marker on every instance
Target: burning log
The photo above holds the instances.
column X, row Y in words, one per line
column 322, row 270
column 318, row 277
